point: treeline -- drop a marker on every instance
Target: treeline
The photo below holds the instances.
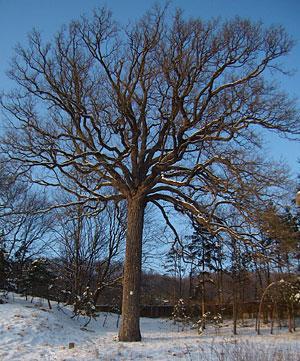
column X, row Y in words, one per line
column 67, row 253
column 233, row 277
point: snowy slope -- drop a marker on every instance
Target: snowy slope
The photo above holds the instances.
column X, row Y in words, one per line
column 32, row 332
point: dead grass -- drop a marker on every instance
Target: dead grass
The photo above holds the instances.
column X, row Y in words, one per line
column 235, row 350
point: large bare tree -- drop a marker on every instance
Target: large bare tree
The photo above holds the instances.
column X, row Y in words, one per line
column 163, row 111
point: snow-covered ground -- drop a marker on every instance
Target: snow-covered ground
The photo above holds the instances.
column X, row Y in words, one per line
column 30, row 331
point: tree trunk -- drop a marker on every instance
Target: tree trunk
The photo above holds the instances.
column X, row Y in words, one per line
column 203, row 302
column 234, row 314
column 290, row 319
column 272, row 318
column 130, row 325
column 191, row 282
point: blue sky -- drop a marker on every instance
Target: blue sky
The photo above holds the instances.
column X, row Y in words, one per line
column 18, row 17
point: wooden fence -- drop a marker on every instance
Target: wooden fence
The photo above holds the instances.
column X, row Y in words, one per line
column 245, row 310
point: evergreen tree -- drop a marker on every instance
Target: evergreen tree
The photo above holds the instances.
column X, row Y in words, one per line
column 84, row 305
column 180, row 313
column 39, row 279
column 4, row 270
column 204, row 252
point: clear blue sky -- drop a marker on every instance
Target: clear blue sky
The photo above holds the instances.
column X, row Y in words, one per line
column 18, row 17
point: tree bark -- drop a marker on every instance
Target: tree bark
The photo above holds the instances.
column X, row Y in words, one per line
column 130, row 325
column 272, row 317
column 290, row 323
column 234, row 314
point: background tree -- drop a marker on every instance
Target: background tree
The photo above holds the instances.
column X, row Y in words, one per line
column 164, row 111
column 281, row 234
column 88, row 249
column 203, row 252
column 174, row 265
column 38, row 279
column 25, row 233
column 4, row 268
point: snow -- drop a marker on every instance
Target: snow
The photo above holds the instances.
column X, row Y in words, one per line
column 30, row 331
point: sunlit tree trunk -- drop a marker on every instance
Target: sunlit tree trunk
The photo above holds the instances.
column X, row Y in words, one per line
column 130, row 327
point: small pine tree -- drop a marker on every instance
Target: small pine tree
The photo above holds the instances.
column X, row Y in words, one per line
column 84, row 306
column 116, row 308
column 180, row 314
column 38, row 279
column 4, row 273
column 217, row 322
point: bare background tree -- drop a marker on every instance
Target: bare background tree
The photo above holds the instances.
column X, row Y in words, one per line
column 25, row 233
column 89, row 249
